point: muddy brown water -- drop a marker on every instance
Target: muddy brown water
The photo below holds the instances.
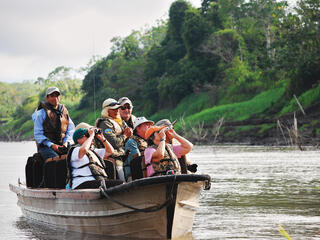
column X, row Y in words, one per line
column 254, row 189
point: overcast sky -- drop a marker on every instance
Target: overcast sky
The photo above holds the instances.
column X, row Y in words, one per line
column 36, row 36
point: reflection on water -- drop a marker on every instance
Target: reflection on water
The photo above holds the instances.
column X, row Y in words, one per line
column 34, row 230
column 253, row 190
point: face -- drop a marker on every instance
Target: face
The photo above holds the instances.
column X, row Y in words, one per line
column 53, row 99
column 113, row 112
column 142, row 128
column 83, row 139
column 157, row 138
column 125, row 111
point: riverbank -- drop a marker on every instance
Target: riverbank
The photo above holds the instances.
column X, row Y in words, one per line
column 266, row 119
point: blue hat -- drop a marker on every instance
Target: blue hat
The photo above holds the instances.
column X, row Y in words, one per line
column 78, row 134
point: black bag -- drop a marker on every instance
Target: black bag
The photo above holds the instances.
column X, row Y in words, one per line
column 136, row 168
column 111, row 169
column 183, row 164
column 55, row 172
column 34, row 171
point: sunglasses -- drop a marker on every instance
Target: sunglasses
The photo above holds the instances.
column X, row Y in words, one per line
column 124, row 108
column 54, row 94
column 112, row 104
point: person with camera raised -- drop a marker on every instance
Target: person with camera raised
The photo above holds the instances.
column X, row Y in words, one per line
column 161, row 158
column 86, row 167
column 53, row 126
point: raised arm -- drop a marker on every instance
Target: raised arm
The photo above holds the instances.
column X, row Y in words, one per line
column 159, row 153
column 107, row 146
column 86, row 144
column 186, row 145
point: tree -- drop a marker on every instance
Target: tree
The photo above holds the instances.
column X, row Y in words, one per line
column 193, row 31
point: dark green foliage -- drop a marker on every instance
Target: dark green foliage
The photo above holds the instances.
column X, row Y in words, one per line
column 193, row 31
column 306, row 76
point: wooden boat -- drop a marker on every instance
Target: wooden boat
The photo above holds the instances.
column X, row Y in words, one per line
column 156, row 207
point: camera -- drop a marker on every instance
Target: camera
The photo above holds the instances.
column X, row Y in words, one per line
column 97, row 131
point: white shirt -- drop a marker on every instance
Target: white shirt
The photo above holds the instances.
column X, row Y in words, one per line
column 85, row 171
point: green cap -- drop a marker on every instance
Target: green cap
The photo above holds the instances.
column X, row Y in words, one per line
column 78, row 134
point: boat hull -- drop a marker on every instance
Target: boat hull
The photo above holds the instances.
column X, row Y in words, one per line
column 88, row 211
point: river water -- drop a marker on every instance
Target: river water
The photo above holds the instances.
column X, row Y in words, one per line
column 254, row 189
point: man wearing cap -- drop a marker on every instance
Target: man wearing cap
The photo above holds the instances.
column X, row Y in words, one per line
column 115, row 130
column 136, row 145
column 126, row 111
column 53, row 128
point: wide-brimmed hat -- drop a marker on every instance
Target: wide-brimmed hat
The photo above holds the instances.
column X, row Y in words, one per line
column 124, row 100
column 152, row 130
column 51, row 90
column 140, row 120
column 79, row 133
column 110, row 103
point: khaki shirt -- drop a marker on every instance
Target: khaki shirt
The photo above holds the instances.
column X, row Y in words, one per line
column 113, row 132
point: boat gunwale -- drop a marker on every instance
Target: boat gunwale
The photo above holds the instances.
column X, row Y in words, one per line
column 92, row 194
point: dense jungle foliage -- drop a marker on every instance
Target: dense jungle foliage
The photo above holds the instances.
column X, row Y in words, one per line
column 229, row 58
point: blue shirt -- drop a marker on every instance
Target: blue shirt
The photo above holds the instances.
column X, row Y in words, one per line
column 38, row 118
column 132, row 147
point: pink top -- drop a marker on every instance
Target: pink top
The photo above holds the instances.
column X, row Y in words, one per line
column 148, row 157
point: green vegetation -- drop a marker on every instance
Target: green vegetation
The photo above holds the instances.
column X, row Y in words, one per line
column 237, row 111
column 306, row 99
column 234, row 59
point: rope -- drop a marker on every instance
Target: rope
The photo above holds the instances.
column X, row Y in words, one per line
column 145, row 210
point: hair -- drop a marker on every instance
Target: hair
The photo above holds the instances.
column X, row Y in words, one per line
column 150, row 140
column 104, row 112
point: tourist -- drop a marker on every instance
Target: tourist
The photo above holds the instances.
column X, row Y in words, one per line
column 115, row 130
column 126, row 111
column 86, row 165
column 53, row 127
column 184, row 163
column 136, row 145
column 161, row 158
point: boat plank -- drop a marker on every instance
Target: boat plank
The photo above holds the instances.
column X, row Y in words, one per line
column 186, row 203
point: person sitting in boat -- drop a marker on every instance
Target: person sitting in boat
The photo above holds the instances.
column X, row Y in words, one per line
column 86, row 168
column 53, row 127
column 115, row 130
column 126, row 111
column 136, row 145
column 161, row 158
column 184, row 163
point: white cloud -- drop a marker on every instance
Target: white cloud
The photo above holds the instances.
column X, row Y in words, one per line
column 38, row 35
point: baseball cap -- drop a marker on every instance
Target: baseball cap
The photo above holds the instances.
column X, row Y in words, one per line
column 52, row 90
column 124, row 100
column 152, row 130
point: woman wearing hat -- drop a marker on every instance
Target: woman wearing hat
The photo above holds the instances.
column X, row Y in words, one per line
column 115, row 130
column 161, row 158
column 85, row 164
